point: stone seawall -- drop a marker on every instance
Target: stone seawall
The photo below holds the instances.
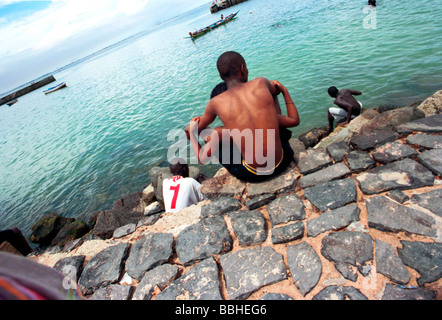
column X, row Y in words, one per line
column 358, row 216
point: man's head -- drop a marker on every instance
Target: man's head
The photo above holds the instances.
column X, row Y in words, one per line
column 232, row 65
column 220, row 88
column 179, row 167
column 333, row 92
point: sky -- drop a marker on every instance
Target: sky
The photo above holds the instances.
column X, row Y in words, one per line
column 37, row 37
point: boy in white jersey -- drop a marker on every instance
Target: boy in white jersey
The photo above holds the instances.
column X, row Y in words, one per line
column 181, row 191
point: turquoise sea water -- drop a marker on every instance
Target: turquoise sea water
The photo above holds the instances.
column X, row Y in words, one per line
column 77, row 150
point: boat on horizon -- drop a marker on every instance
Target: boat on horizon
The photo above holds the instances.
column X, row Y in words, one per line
column 12, row 102
column 198, row 33
column 57, row 87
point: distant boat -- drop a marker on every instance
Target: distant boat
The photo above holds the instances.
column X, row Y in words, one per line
column 57, row 87
column 196, row 34
column 12, row 102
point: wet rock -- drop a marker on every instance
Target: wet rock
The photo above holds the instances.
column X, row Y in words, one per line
column 288, row 233
column 348, row 249
column 285, row 209
column 393, row 151
column 248, row 270
column 372, row 139
column 220, row 206
column 338, row 150
column 124, row 230
column 432, row 160
column 114, row 292
column 108, row 221
column 149, row 252
column 431, row 201
column 69, row 232
column 393, row 292
column 260, row 201
column 158, row 277
column 208, row 237
column 428, row 125
column 249, row 227
column 426, row 258
column 386, row 215
column 426, row 140
column 199, row 283
column 333, row 220
column 104, row 268
column 305, row 266
column 389, row 264
column 404, row 174
column 332, row 195
column 313, row 160
column 284, row 182
column 360, row 161
column 47, row 228
column 334, row 172
column 340, row 293
column 223, row 184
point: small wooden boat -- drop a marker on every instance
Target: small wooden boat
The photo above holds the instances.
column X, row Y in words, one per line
column 57, row 87
column 12, row 102
column 196, row 34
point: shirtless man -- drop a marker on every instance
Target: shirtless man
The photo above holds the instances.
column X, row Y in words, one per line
column 252, row 119
column 349, row 107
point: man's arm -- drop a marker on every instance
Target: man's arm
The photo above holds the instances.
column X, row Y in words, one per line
column 205, row 120
column 203, row 154
column 355, row 92
column 292, row 118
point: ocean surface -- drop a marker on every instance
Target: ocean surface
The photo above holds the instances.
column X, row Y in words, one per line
column 76, row 151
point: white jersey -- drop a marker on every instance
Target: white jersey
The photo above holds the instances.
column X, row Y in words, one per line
column 180, row 193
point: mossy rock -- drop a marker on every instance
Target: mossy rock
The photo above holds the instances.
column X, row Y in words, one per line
column 47, row 228
column 69, row 232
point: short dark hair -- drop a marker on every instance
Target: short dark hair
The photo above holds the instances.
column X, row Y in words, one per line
column 229, row 64
column 333, row 92
column 220, row 88
column 179, row 167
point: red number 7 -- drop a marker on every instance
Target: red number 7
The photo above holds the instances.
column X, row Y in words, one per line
column 176, row 190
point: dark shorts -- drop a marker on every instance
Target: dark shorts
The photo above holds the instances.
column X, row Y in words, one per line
column 243, row 172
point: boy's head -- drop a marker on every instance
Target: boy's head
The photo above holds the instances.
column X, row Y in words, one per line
column 232, row 65
column 179, row 167
column 333, row 92
column 220, row 88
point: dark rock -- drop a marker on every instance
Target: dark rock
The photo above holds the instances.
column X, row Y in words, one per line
column 312, row 137
column 208, row 237
column 220, row 206
column 154, row 208
column 305, row 266
column 248, row 270
column 249, row 227
column 288, row 233
column 426, row 258
column 70, row 267
column 104, row 268
column 404, row 174
column 398, row 196
column 431, row 201
column 114, row 292
column 392, row 118
column 297, row 147
column 360, row 161
column 426, row 141
column 313, row 160
column 285, row 209
column 340, row 293
column 124, row 230
column 199, row 283
column 276, row 296
column 223, row 184
column 47, row 228
column 260, row 201
column 336, row 171
column 131, row 202
column 348, row 249
column 432, row 160
column 393, row 292
column 333, row 220
column 72, row 245
column 429, row 125
column 69, row 232
column 332, row 195
column 158, row 277
column 149, row 252
column 372, row 139
column 338, row 150
column 284, row 182
column 386, row 215
column 393, row 151
column 389, row 264
column 149, row 221
column 108, row 221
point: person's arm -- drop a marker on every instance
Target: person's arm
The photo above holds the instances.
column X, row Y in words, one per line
column 355, row 92
column 292, row 118
column 205, row 120
column 203, row 154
